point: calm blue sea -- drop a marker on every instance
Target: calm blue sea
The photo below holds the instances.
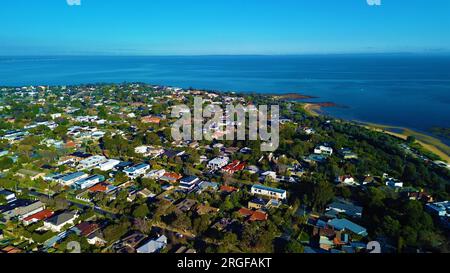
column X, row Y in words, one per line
column 406, row 90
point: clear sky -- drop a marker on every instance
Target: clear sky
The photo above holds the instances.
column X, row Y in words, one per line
column 185, row 27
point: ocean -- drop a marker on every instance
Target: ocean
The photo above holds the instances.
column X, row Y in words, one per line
column 405, row 90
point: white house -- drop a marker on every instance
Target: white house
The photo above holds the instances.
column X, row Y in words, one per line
column 218, row 163
column 91, row 162
column 58, row 221
column 137, row 170
column 109, row 165
column 346, row 179
column 323, row 150
column 153, row 246
column 155, row 174
column 71, row 178
column 269, row 192
column 393, row 183
column 9, row 196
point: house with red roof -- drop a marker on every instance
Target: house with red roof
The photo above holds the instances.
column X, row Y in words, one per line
column 253, row 215
column 40, row 216
column 234, row 167
column 228, row 189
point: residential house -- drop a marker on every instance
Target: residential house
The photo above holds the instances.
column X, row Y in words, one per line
column 137, row 170
column 8, row 196
column 186, row 205
column 155, row 174
column 69, row 179
column 206, row 209
column 273, row 193
column 171, row 177
column 96, row 238
column 346, row 208
column 88, row 182
column 441, row 209
column 207, row 186
column 347, row 154
column 129, row 243
column 20, row 209
column 189, row 183
column 60, row 220
column 233, row 167
column 344, row 224
column 253, row 215
column 323, row 150
column 394, row 183
column 151, row 119
column 108, row 165
column 218, row 163
column 346, row 180
column 91, row 162
column 33, row 175
column 153, row 246
column 39, row 216
column 228, row 189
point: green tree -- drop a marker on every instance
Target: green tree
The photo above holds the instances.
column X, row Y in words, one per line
column 141, row 211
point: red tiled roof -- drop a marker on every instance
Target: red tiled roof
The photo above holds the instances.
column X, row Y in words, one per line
column 254, row 215
column 87, row 228
column 245, row 212
column 258, row 216
column 235, row 166
column 101, row 187
column 174, row 176
column 42, row 215
column 151, row 120
column 228, row 188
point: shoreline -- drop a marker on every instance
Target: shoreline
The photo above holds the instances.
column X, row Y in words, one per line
column 428, row 142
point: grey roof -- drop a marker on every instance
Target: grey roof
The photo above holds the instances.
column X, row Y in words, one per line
column 347, row 208
column 61, row 218
column 153, row 246
column 344, row 224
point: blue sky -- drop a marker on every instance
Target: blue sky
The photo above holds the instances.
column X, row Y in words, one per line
column 195, row 27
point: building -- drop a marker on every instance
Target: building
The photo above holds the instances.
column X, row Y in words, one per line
column 171, row 177
column 346, row 208
column 155, row 174
column 347, row 180
column 189, row 183
column 108, row 165
column 441, row 209
column 151, row 119
column 21, row 209
column 394, row 183
column 186, row 205
column 153, row 246
column 344, row 224
column 253, row 215
column 233, row 167
column 347, row 154
column 69, row 179
column 33, row 175
column 218, row 163
column 58, row 221
column 8, row 196
column 40, row 216
column 91, row 162
column 323, row 150
column 137, row 170
column 273, row 193
column 88, row 182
